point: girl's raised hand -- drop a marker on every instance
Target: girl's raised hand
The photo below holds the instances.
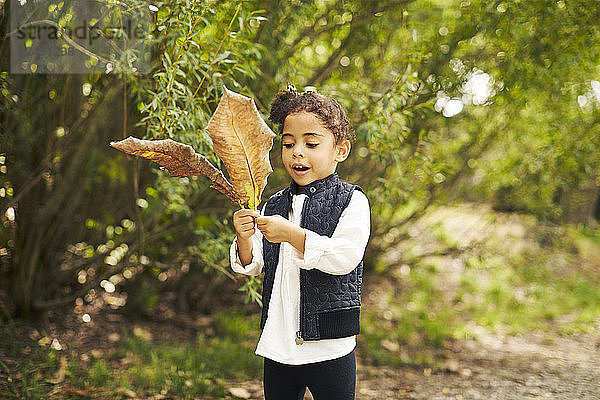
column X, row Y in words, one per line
column 243, row 222
column 277, row 229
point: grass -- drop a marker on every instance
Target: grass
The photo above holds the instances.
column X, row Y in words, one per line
column 137, row 366
column 27, row 378
column 184, row 370
column 537, row 278
column 542, row 279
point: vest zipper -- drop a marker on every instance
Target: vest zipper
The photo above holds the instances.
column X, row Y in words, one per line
column 299, row 339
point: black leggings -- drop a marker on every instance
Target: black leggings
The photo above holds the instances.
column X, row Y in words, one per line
column 327, row 380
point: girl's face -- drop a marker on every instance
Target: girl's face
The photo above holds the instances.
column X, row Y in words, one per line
column 308, row 150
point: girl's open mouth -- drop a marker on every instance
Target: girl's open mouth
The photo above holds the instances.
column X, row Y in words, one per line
column 300, row 169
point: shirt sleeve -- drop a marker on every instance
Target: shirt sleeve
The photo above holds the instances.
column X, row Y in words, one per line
column 256, row 265
column 340, row 253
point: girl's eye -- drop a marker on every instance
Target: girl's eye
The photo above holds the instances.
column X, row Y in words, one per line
column 312, row 145
column 288, row 145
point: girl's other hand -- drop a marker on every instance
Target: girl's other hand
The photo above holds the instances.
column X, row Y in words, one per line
column 277, row 229
column 243, row 222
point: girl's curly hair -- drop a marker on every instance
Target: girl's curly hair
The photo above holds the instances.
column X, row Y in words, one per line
column 329, row 111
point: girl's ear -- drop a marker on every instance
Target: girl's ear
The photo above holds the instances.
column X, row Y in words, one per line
column 342, row 150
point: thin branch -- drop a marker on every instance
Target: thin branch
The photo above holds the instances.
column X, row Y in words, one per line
column 307, row 33
column 27, row 187
column 174, row 65
column 319, row 75
column 449, row 251
column 124, row 105
column 216, row 54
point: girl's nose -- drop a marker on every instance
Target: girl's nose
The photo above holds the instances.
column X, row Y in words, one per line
column 297, row 153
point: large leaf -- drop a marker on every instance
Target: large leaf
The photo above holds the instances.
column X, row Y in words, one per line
column 179, row 159
column 242, row 140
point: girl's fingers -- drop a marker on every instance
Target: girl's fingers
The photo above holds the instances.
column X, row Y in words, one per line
column 254, row 214
column 247, row 226
column 246, row 220
column 261, row 226
column 248, row 213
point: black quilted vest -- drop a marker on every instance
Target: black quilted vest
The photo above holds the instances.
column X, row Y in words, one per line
column 329, row 304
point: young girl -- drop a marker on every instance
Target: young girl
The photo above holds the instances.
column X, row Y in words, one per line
column 310, row 241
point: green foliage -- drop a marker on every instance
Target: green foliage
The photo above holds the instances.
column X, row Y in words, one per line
column 199, row 56
column 532, row 145
column 30, row 379
column 93, row 214
column 236, row 326
column 526, row 145
column 522, row 276
column 85, row 214
column 180, row 369
column 183, row 370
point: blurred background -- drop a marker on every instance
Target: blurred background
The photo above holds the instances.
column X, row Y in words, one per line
column 478, row 146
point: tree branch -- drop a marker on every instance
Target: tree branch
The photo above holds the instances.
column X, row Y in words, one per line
column 310, row 32
column 320, row 74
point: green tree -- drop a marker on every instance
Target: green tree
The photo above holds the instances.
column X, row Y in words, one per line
column 533, row 143
column 522, row 74
column 75, row 212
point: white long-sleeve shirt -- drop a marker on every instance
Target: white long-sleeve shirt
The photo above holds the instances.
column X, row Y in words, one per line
column 338, row 255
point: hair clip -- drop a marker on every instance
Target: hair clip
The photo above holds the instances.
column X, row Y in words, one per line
column 292, row 88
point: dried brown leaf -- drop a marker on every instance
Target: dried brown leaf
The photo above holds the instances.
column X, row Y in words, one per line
column 179, row 159
column 242, row 140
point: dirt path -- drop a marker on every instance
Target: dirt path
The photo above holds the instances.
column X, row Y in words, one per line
column 521, row 367
column 487, row 366
column 492, row 367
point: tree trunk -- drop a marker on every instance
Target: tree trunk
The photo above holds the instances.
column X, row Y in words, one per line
column 579, row 206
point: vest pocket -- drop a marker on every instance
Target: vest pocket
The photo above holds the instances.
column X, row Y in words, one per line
column 339, row 323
